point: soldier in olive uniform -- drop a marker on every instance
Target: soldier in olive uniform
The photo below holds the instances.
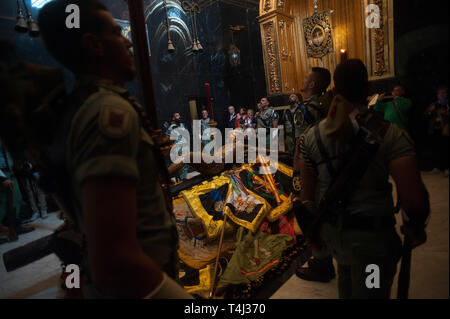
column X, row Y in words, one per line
column 364, row 233
column 111, row 160
column 315, row 108
column 317, row 99
column 267, row 119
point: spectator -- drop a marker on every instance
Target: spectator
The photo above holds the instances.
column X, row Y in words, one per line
column 438, row 131
column 396, row 108
column 35, row 195
column 250, row 122
column 241, row 116
column 231, row 119
column 204, row 126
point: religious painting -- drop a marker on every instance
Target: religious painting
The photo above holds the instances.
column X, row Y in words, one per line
column 318, row 35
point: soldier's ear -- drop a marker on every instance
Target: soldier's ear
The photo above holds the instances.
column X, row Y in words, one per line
column 91, row 45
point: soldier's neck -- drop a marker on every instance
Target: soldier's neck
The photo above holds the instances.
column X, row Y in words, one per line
column 111, row 76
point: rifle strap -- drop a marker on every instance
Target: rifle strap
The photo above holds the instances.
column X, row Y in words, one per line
column 307, row 115
column 323, row 152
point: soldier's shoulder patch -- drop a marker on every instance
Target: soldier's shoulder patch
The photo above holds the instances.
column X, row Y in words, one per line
column 114, row 121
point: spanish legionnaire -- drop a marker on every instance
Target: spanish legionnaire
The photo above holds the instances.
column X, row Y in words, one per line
column 317, row 99
column 314, row 109
column 346, row 195
column 109, row 160
column 267, row 118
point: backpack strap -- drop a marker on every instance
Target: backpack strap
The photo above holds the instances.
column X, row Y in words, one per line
column 323, row 152
column 307, row 115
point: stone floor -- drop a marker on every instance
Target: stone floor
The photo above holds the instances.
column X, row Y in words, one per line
column 33, row 279
column 429, row 273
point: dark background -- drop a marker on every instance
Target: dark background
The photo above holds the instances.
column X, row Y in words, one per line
column 421, row 56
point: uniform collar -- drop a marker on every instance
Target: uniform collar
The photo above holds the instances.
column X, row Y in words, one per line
column 88, row 79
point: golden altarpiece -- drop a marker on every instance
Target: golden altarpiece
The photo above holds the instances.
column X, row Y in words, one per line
column 286, row 57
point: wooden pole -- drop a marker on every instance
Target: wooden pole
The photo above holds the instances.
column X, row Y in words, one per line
column 142, row 56
column 219, row 249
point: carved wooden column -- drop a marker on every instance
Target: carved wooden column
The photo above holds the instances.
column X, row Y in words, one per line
column 278, row 40
column 379, row 40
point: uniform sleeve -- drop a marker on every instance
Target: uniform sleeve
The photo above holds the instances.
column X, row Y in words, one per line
column 105, row 140
column 379, row 106
column 398, row 144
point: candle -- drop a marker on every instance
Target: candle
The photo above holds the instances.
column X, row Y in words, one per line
column 344, row 55
column 208, row 99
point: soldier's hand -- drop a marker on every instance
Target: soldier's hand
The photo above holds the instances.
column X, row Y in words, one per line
column 381, row 97
column 416, row 237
